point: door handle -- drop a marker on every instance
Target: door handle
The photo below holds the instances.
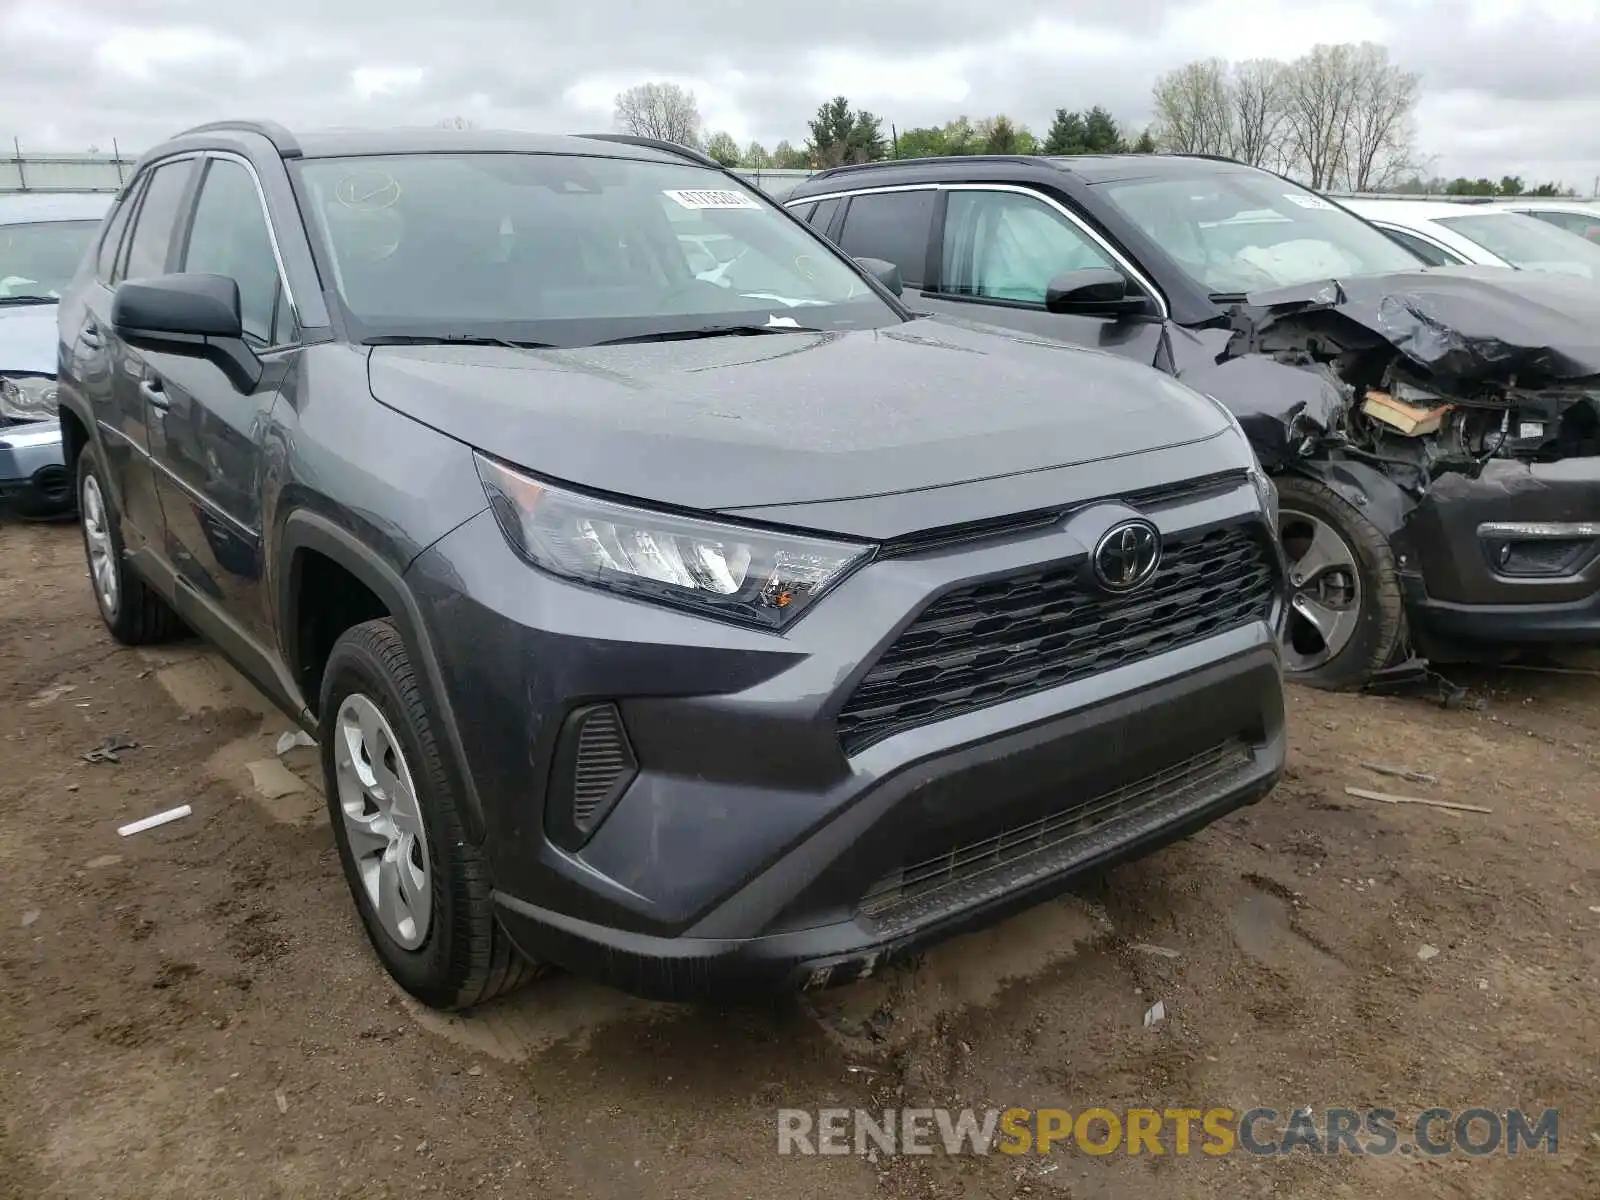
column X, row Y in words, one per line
column 155, row 395
column 90, row 336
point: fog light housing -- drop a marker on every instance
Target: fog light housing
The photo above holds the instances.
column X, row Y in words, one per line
column 1539, row 549
column 594, row 764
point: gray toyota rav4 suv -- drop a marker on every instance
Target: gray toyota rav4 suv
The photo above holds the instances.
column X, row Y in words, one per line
column 668, row 603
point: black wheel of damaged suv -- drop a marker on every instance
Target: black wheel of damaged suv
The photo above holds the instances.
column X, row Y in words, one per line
column 1346, row 615
column 421, row 887
column 134, row 612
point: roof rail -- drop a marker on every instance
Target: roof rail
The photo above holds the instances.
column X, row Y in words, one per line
column 844, row 168
column 666, row 147
column 275, row 133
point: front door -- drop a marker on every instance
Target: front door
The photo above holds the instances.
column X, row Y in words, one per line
column 995, row 256
column 205, row 434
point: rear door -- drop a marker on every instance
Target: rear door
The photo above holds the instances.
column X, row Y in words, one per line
column 996, row 251
column 206, row 435
column 114, row 372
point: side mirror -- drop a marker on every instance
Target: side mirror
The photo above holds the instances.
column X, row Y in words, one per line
column 193, row 315
column 1094, row 292
column 884, row 272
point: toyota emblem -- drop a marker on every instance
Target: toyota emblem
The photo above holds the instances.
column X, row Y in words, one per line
column 1127, row 555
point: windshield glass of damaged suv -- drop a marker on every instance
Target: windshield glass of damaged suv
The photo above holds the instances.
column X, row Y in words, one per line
column 570, row 250
column 1239, row 232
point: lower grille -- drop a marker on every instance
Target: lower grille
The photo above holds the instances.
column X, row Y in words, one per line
column 993, row 641
column 1015, row 857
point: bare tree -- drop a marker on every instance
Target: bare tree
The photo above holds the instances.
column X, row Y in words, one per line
column 1321, row 96
column 1193, row 114
column 1379, row 149
column 660, row 110
column 455, row 123
column 1256, row 98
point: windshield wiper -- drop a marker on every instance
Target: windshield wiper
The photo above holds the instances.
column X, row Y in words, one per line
column 451, row 339
column 708, row 331
column 6, row 301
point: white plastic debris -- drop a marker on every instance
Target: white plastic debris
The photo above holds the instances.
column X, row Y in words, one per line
column 283, row 1101
column 29, row 917
column 1156, row 1013
column 295, row 737
column 161, row 818
column 1428, row 952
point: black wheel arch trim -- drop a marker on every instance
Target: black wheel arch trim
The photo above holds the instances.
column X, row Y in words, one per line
column 305, row 530
column 1380, row 499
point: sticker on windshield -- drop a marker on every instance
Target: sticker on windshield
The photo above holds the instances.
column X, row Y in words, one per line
column 1305, row 201
column 703, row 198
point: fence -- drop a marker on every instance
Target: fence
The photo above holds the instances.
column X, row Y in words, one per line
column 21, row 172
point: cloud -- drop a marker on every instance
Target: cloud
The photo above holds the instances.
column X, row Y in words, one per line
column 1509, row 84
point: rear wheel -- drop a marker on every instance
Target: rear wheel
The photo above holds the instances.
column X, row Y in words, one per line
column 134, row 612
column 1346, row 616
column 420, row 885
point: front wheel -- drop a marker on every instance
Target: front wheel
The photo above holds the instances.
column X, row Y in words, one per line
column 422, row 888
column 1346, row 616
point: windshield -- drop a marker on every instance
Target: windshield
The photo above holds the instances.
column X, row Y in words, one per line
column 39, row 259
column 1238, row 231
column 570, row 250
column 1527, row 243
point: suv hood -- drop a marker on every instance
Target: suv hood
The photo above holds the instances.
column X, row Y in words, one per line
column 28, row 339
column 793, row 418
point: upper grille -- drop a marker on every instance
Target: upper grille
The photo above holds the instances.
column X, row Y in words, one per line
column 1009, row 637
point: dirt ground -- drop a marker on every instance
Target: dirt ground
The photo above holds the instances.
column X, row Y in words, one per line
column 193, row 1011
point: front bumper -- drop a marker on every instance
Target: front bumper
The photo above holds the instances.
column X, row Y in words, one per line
column 1510, row 557
column 33, row 473
column 750, row 851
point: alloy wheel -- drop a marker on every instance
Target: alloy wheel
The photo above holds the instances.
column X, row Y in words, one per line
column 1325, row 590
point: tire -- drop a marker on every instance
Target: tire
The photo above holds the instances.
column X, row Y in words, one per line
column 134, row 612
column 1370, row 624
column 452, row 954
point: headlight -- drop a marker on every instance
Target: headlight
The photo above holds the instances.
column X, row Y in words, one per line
column 1268, row 491
column 728, row 571
column 27, row 398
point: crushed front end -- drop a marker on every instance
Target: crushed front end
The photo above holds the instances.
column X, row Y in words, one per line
column 1459, row 410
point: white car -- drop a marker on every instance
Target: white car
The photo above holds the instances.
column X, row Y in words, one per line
column 1581, row 217
column 1444, row 233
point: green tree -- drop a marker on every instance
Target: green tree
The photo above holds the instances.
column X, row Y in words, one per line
column 922, row 142
column 1145, row 143
column 723, row 148
column 1511, row 185
column 840, row 136
column 755, row 157
column 1001, row 135
column 786, row 157
column 1066, row 134
column 1551, row 189
column 1100, row 132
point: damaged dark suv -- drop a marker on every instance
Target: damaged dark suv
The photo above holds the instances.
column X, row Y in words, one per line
column 1434, row 433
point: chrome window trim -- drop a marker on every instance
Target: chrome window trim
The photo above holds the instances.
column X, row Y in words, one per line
column 1138, row 276
column 272, row 232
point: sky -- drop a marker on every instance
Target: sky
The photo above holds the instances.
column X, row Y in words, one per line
column 1509, row 86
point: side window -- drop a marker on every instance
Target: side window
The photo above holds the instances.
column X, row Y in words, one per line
column 892, row 226
column 158, row 216
column 1434, row 256
column 1583, row 226
column 229, row 237
column 111, row 240
column 1007, row 246
column 805, row 212
column 823, row 217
